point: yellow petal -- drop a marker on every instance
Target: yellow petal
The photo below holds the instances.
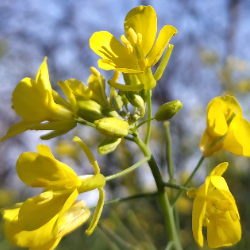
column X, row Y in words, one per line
column 78, row 88
column 219, row 182
column 219, row 169
column 238, row 137
column 223, row 231
column 219, row 110
column 29, row 103
column 14, row 232
column 69, row 94
column 198, row 215
column 18, row 128
column 42, row 79
column 50, row 245
column 114, row 54
column 142, row 19
column 206, row 141
column 66, row 206
column 73, row 218
column 97, row 85
column 39, row 210
column 97, row 213
column 35, row 168
column 88, row 153
column 162, row 41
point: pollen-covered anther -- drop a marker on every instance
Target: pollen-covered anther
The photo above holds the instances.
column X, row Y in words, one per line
column 132, row 35
column 127, row 44
column 94, row 71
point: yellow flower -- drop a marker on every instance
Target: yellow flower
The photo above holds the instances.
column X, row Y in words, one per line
column 48, row 210
column 139, row 51
column 36, row 102
column 43, row 238
column 226, row 128
column 214, row 207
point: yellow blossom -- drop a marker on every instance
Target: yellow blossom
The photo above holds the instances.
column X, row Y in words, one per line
column 226, row 128
column 43, row 238
column 47, row 211
column 214, row 207
column 36, row 103
column 139, row 51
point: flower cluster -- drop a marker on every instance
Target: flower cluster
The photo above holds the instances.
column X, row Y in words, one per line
column 40, row 222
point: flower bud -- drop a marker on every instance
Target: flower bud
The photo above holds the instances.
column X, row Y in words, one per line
column 135, row 99
column 168, row 110
column 112, row 127
column 110, row 112
column 89, row 110
column 108, row 145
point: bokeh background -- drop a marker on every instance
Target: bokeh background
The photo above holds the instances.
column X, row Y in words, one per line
column 210, row 58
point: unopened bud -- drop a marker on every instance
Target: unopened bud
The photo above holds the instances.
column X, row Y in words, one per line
column 135, row 99
column 89, row 110
column 168, row 110
column 112, row 127
column 108, row 145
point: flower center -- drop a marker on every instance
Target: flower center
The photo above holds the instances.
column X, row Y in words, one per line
column 135, row 47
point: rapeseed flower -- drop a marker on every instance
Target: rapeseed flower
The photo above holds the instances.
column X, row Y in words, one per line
column 214, row 207
column 226, row 128
column 40, row 107
column 139, row 51
column 43, row 238
column 50, row 209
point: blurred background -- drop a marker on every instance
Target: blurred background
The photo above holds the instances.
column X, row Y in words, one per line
column 210, row 58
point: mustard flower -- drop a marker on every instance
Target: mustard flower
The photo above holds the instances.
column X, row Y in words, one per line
column 214, row 207
column 226, row 128
column 43, row 238
column 61, row 188
column 36, row 102
column 139, row 51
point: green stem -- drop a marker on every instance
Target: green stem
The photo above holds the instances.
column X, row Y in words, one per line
column 188, row 180
column 144, row 122
column 167, row 184
column 127, row 170
column 170, row 164
column 165, row 205
column 83, row 122
column 149, row 116
column 169, row 245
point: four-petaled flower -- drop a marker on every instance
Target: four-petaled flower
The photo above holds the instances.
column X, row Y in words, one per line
column 36, row 102
column 47, row 216
column 214, row 207
column 139, row 51
column 226, row 128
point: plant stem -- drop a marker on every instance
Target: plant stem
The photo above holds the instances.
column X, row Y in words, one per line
column 83, row 122
column 165, row 205
column 167, row 184
column 127, row 170
column 149, row 93
column 188, row 180
column 169, row 245
column 144, row 122
column 170, row 164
